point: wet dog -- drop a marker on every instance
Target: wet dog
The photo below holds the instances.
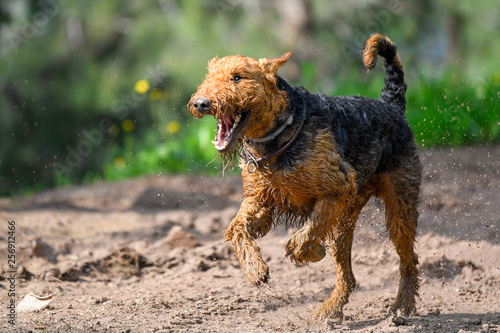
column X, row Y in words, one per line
column 314, row 161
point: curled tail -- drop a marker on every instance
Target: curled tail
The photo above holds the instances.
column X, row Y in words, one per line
column 395, row 86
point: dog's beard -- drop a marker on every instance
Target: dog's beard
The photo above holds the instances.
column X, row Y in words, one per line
column 229, row 158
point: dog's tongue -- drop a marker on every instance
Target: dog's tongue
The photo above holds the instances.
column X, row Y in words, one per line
column 223, row 136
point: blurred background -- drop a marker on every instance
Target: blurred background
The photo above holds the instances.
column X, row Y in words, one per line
column 97, row 90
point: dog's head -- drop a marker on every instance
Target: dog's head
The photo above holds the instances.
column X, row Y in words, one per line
column 242, row 94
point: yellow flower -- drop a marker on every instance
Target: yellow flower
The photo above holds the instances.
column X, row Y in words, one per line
column 119, row 162
column 128, row 125
column 141, row 86
column 173, row 127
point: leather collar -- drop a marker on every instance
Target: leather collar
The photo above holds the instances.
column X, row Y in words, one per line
column 253, row 162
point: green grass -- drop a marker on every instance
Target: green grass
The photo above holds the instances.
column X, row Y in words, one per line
column 187, row 151
column 451, row 113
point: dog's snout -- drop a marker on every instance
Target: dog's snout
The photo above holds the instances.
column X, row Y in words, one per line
column 202, row 104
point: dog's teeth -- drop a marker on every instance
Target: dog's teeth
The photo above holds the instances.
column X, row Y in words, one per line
column 236, row 121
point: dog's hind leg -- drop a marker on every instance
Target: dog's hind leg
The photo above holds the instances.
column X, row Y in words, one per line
column 400, row 193
column 341, row 244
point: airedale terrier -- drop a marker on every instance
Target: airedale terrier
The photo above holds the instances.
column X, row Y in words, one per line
column 314, row 161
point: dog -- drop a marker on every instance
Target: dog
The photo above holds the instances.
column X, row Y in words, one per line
column 313, row 161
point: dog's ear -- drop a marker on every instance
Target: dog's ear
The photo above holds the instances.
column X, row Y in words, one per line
column 212, row 62
column 272, row 65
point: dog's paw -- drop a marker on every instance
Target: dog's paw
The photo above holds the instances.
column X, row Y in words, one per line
column 256, row 270
column 257, row 273
column 328, row 310
column 398, row 308
column 303, row 251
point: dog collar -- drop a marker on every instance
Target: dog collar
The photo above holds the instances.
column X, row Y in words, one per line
column 271, row 136
column 253, row 163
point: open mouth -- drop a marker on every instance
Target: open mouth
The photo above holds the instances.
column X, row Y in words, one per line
column 228, row 129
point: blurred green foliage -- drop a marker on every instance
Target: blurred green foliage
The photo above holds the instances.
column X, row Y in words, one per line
column 98, row 90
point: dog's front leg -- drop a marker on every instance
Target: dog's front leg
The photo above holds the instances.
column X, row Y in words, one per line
column 252, row 221
column 306, row 244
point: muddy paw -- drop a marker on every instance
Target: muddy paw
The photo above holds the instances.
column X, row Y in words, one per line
column 328, row 311
column 253, row 264
column 403, row 309
column 257, row 273
column 304, row 252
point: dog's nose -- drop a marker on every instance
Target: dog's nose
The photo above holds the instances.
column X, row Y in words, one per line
column 202, row 104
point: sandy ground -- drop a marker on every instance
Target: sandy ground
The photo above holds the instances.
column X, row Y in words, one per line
column 145, row 255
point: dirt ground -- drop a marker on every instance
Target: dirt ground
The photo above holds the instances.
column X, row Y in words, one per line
column 145, row 255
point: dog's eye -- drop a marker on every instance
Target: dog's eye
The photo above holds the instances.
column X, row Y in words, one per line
column 236, row 78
